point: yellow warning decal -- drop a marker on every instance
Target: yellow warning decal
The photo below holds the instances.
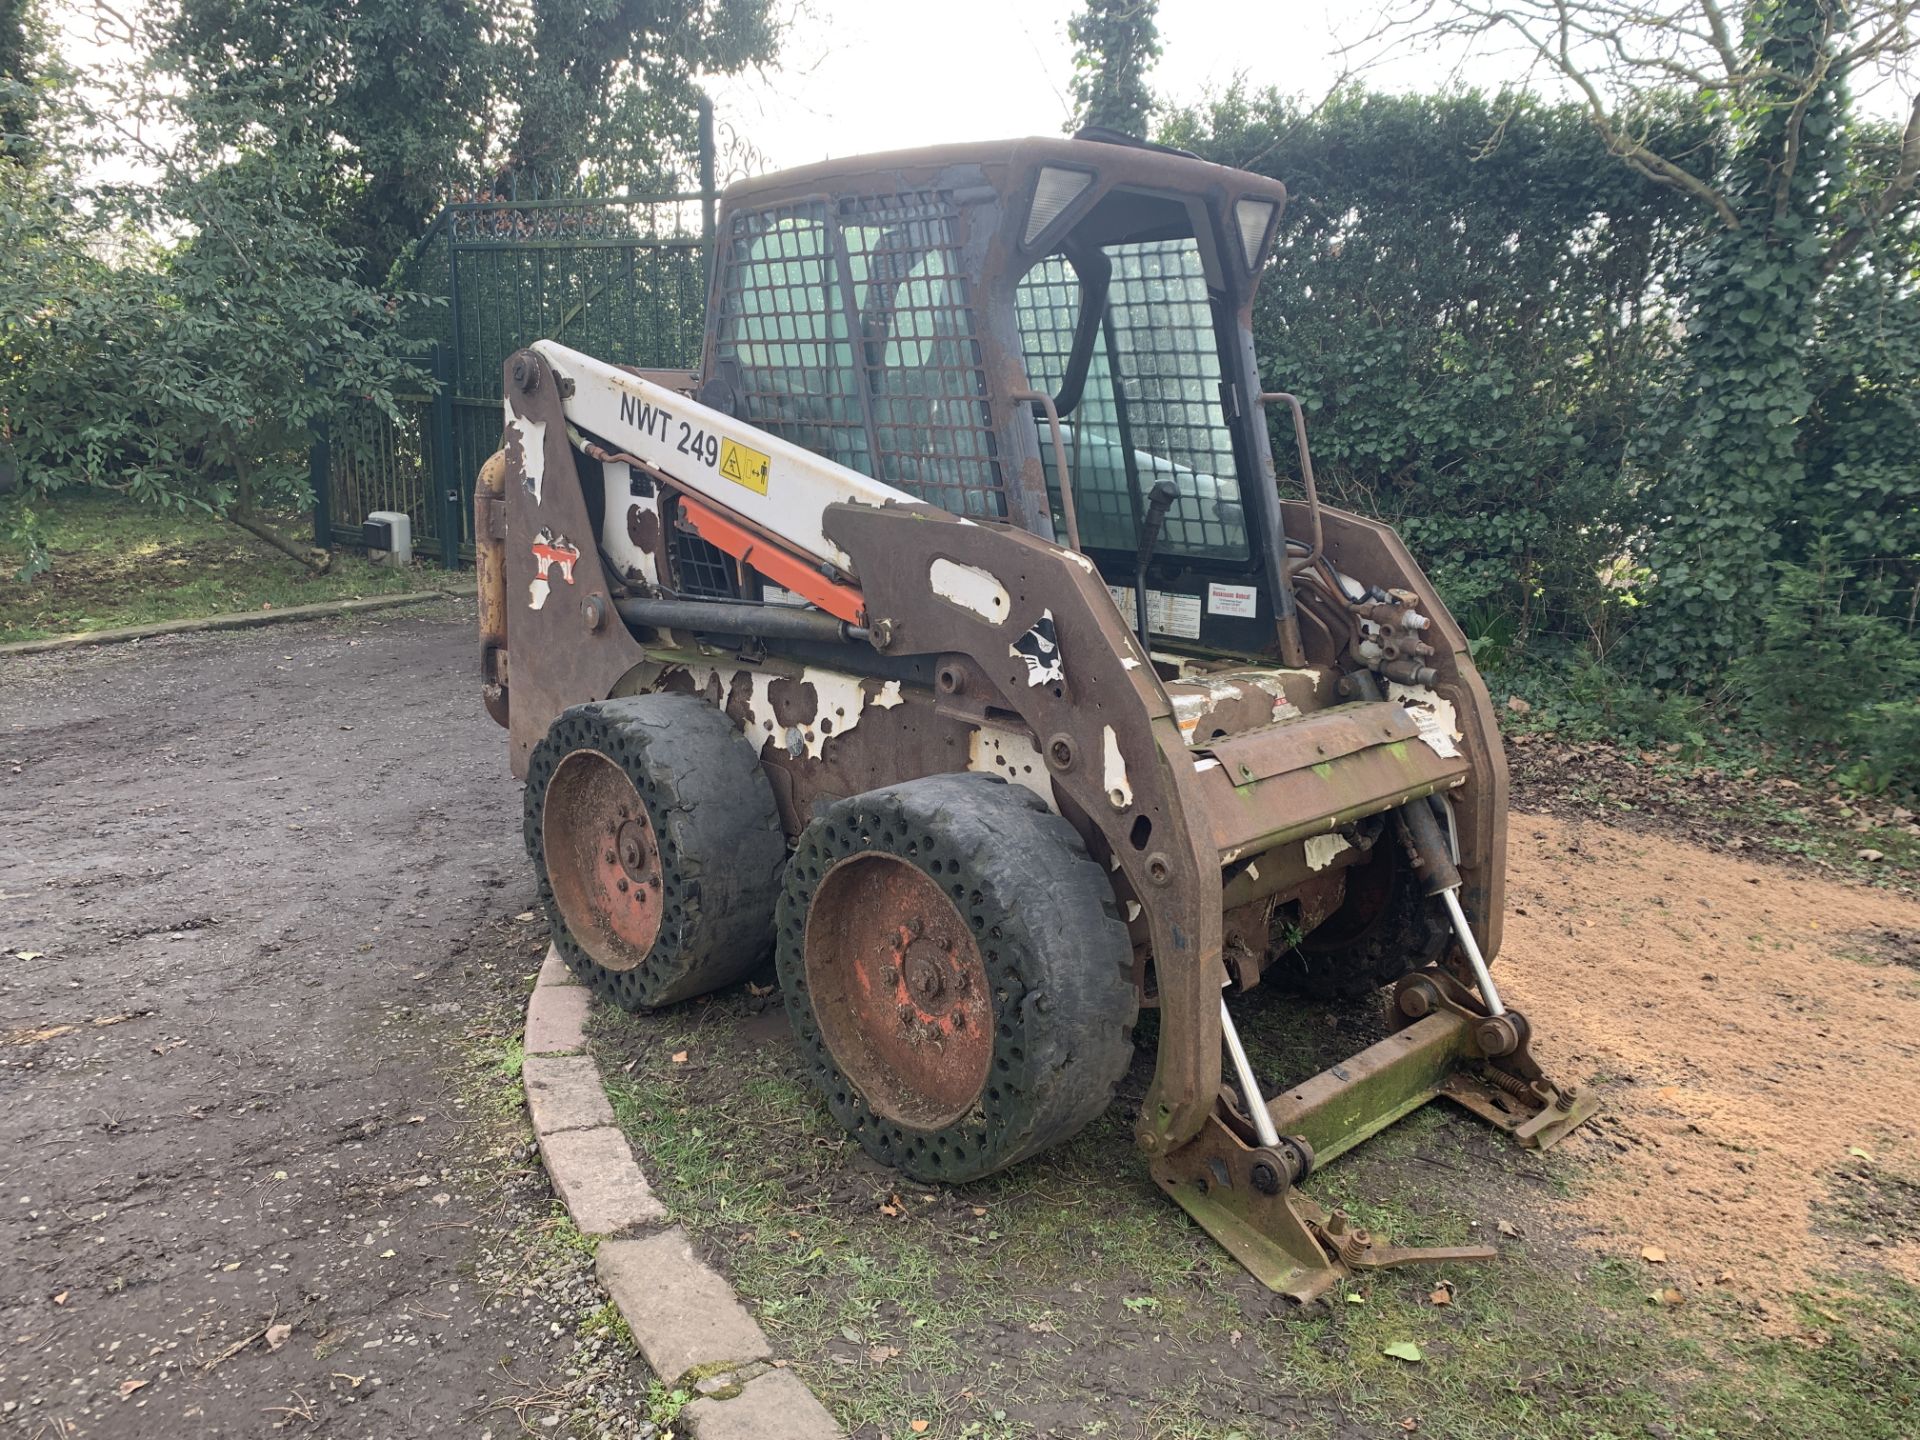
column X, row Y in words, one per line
column 743, row 466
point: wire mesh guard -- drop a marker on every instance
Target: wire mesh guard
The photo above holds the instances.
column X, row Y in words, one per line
column 850, row 332
column 1150, row 406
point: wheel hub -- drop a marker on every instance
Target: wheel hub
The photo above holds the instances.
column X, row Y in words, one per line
column 603, row 860
column 899, row 989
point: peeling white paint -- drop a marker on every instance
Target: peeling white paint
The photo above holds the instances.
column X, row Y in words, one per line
column 1119, row 791
column 839, row 702
column 1013, row 755
column 971, row 588
column 1082, row 561
column 532, row 435
column 1435, row 716
column 1191, row 707
column 1283, row 708
column 1133, row 911
column 1322, row 848
column 615, row 538
column 1127, row 662
column 1204, row 764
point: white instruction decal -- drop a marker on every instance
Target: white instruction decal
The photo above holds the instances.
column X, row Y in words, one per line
column 1167, row 613
column 1240, row 600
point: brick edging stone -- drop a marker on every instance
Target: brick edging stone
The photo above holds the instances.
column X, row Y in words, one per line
column 689, row 1326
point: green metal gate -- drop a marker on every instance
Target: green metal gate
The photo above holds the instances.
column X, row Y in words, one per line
column 621, row 277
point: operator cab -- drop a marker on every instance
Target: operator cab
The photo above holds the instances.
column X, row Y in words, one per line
column 917, row 316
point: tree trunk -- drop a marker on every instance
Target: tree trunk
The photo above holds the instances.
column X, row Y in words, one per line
column 317, row 561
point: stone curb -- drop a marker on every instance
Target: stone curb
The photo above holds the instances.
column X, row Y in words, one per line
column 235, row 620
column 686, row 1321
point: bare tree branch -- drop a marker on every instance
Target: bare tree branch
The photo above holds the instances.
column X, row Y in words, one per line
column 1906, row 174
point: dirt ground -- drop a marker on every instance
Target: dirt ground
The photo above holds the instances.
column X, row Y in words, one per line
column 260, row 962
column 256, row 919
column 1755, row 1031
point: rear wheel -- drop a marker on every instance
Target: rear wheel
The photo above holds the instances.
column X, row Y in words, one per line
column 657, row 845
column 1384, row 928
column 956, row 972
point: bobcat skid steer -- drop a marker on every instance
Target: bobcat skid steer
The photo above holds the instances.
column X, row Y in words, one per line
column 947, row 633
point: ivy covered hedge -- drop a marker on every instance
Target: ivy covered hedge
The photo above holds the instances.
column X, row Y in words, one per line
column 1616, row 432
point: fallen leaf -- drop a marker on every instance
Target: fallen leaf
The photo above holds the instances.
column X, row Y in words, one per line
column 127, row 1387
column 1507, row 1227
column 1668, row 1296
column 979, row 1211
column 880, row 1354
column 679, row 1057
column 1403, row 1350
column 416, row 1119
column 759, row 991
column 29, row 954
column 1518, row 706
column 1858, row 1153
column 1654, row 1255
column 386, row 1254
column 1869, row 855
column 524, row 915
column 353, row 1381
column 1353, row 1299
column 1441, row 1296
column 61, row 1298
column 277, row 1335
column 919, row 1427
column 231, row 1266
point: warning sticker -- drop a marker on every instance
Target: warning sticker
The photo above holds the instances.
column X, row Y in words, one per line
column 1167, row 613
column 743, row 466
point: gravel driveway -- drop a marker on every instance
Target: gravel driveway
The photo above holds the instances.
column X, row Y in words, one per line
column 257, row 900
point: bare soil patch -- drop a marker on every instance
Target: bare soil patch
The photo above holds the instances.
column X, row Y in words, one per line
column 1753, row 1031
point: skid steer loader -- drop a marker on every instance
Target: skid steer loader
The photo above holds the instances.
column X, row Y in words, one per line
column 947, row 633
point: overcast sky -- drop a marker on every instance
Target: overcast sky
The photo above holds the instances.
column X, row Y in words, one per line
column 860, row 75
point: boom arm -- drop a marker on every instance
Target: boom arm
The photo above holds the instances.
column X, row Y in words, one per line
column 773, row 484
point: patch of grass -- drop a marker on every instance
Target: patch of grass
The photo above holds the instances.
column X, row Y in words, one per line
column 513, row 1059
column 664, row 1405
column 1068, row 1296
column 117, row 564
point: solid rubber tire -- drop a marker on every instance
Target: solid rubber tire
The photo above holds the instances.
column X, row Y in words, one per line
column 1059, row 966
column 718, row 829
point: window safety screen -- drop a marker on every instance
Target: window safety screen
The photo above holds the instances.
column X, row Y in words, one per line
column 853, row 335
column 1150, row 406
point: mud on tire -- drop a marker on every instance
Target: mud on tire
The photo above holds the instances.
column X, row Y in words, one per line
column 1050, row 944
column 718, row 833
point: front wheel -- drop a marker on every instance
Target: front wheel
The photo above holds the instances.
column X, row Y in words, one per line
column 957, row 973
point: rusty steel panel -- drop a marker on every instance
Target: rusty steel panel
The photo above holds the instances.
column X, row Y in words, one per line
column 1315, row 775
column 1313, row 740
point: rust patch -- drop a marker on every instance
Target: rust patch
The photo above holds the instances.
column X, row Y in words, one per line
column 643, row 528
column 795, row 702
column 739, row 705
